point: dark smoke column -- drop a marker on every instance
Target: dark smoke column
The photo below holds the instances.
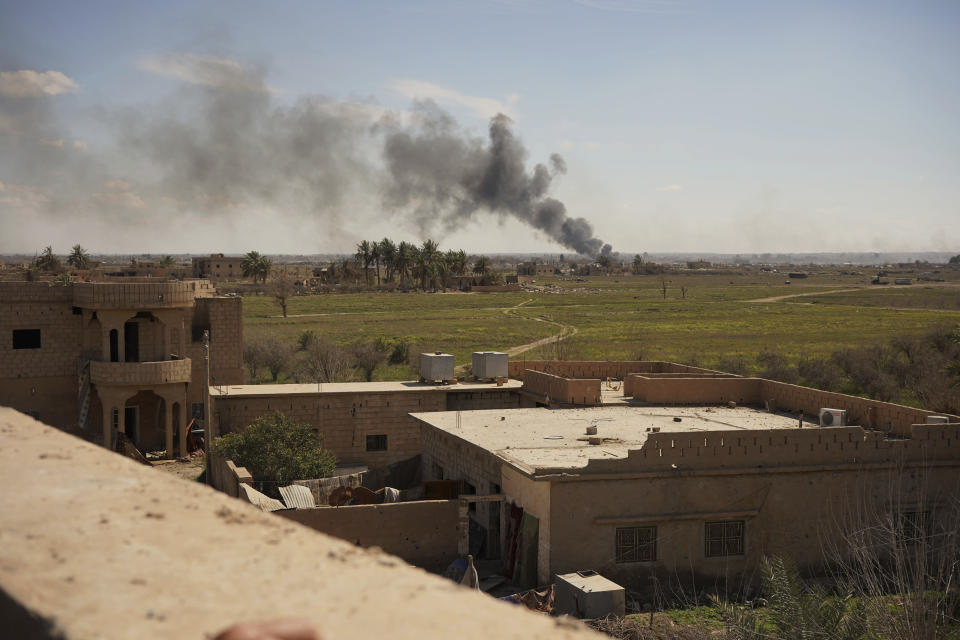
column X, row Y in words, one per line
column 443, row 175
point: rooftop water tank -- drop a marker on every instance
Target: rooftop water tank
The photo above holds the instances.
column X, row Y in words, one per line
column 489, row 364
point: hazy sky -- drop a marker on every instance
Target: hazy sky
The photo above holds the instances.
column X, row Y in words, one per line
column 687, row 125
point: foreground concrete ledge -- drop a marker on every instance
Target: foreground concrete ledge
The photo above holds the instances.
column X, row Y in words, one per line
column 93, row 545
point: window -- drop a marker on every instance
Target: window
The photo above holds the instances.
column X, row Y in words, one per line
column 377, row 443
column 723, row 538
column 636, row 544
column 26, row 338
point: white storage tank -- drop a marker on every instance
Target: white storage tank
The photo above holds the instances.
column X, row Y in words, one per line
column 489, row 364
column 587, row 594
column 436, row 367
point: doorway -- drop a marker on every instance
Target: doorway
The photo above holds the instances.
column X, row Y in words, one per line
column 131, row 424
column 131, row 342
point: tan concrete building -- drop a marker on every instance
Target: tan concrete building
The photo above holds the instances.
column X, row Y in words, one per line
column 218, row 267
column 672, row 479
column 100, row 358
column 361, row 422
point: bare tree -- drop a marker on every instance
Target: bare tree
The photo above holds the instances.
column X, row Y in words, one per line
column 282, row 288
column 663, row 287
column 323, row 360
column 367, row 357
column 273, row 354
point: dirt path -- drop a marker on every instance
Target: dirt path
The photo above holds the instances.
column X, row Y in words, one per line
column 801, row 295
column 566, row 330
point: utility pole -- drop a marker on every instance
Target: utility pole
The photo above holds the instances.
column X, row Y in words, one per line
column 207, row 422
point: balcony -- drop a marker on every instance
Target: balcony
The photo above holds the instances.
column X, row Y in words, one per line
column 139, row 295
column 139, row 374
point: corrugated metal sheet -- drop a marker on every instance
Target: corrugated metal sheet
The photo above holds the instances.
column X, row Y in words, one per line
column 297, row 497
column 253, row 496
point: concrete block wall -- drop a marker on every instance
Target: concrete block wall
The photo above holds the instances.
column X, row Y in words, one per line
column 560, row 389
column 785, row 397
column 699, row 390
column 227, row 477
column 597, row 369
column 344, row 420
column 423, row 533
column 42, row 381
column 783, row 449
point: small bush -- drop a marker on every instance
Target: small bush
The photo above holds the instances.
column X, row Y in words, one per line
column 277, row 448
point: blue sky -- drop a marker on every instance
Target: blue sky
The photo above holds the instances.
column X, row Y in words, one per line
column 686, row 125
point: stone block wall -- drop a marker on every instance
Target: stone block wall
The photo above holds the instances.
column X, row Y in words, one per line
column 227, row 477
column 562, row 390
column 344, row 420
column 423, row 533
column 44, row 381
column 782, row 396
column 597, row 369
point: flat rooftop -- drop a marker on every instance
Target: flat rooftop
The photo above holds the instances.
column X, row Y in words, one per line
column 556, row 438
column 255, row 390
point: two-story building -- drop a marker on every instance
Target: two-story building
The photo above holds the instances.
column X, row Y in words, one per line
column 102, row 358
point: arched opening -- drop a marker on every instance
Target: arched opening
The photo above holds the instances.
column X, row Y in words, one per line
column 114, row 346
column 143, row 422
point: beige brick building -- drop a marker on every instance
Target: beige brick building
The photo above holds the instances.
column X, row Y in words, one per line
column 361, row 422
column 218, row 267
column 98, row 358
column 688, row 477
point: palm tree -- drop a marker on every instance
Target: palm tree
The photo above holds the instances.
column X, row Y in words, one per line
column 79, row 258
column 404, row 259
column 388, row 253
column 167, row 262
column 426, row 260
column 47, row 260
column 481, row 266
column 375, row 255
column 365, row 255
column 637, row 263
column 256, row 266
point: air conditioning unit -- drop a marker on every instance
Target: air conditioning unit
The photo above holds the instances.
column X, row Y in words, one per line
column 833, row 417
column 436, row 367
column 489, row 364
column 937, row 420
column 587, row 594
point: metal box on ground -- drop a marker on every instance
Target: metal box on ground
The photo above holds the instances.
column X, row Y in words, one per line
column 489, row 364
column 436, row 367
column 587, row 594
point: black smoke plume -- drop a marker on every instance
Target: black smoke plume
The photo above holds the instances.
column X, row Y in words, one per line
column 440, row 174
column 221, row 144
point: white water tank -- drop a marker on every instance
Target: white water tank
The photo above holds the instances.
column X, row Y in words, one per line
column 833, row 417
column 489, row 364
column 436, row 367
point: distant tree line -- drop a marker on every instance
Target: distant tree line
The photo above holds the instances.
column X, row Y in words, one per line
column 914, row 370
column 316, row 358
column 426, row 265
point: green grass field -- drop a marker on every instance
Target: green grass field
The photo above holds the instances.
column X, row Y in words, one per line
column 704, row 318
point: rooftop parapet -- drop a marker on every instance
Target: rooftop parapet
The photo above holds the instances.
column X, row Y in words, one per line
column 140, row 373
column 85, row 555
column 140, row 295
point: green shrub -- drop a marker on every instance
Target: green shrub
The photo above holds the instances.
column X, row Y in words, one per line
column 277, row 448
